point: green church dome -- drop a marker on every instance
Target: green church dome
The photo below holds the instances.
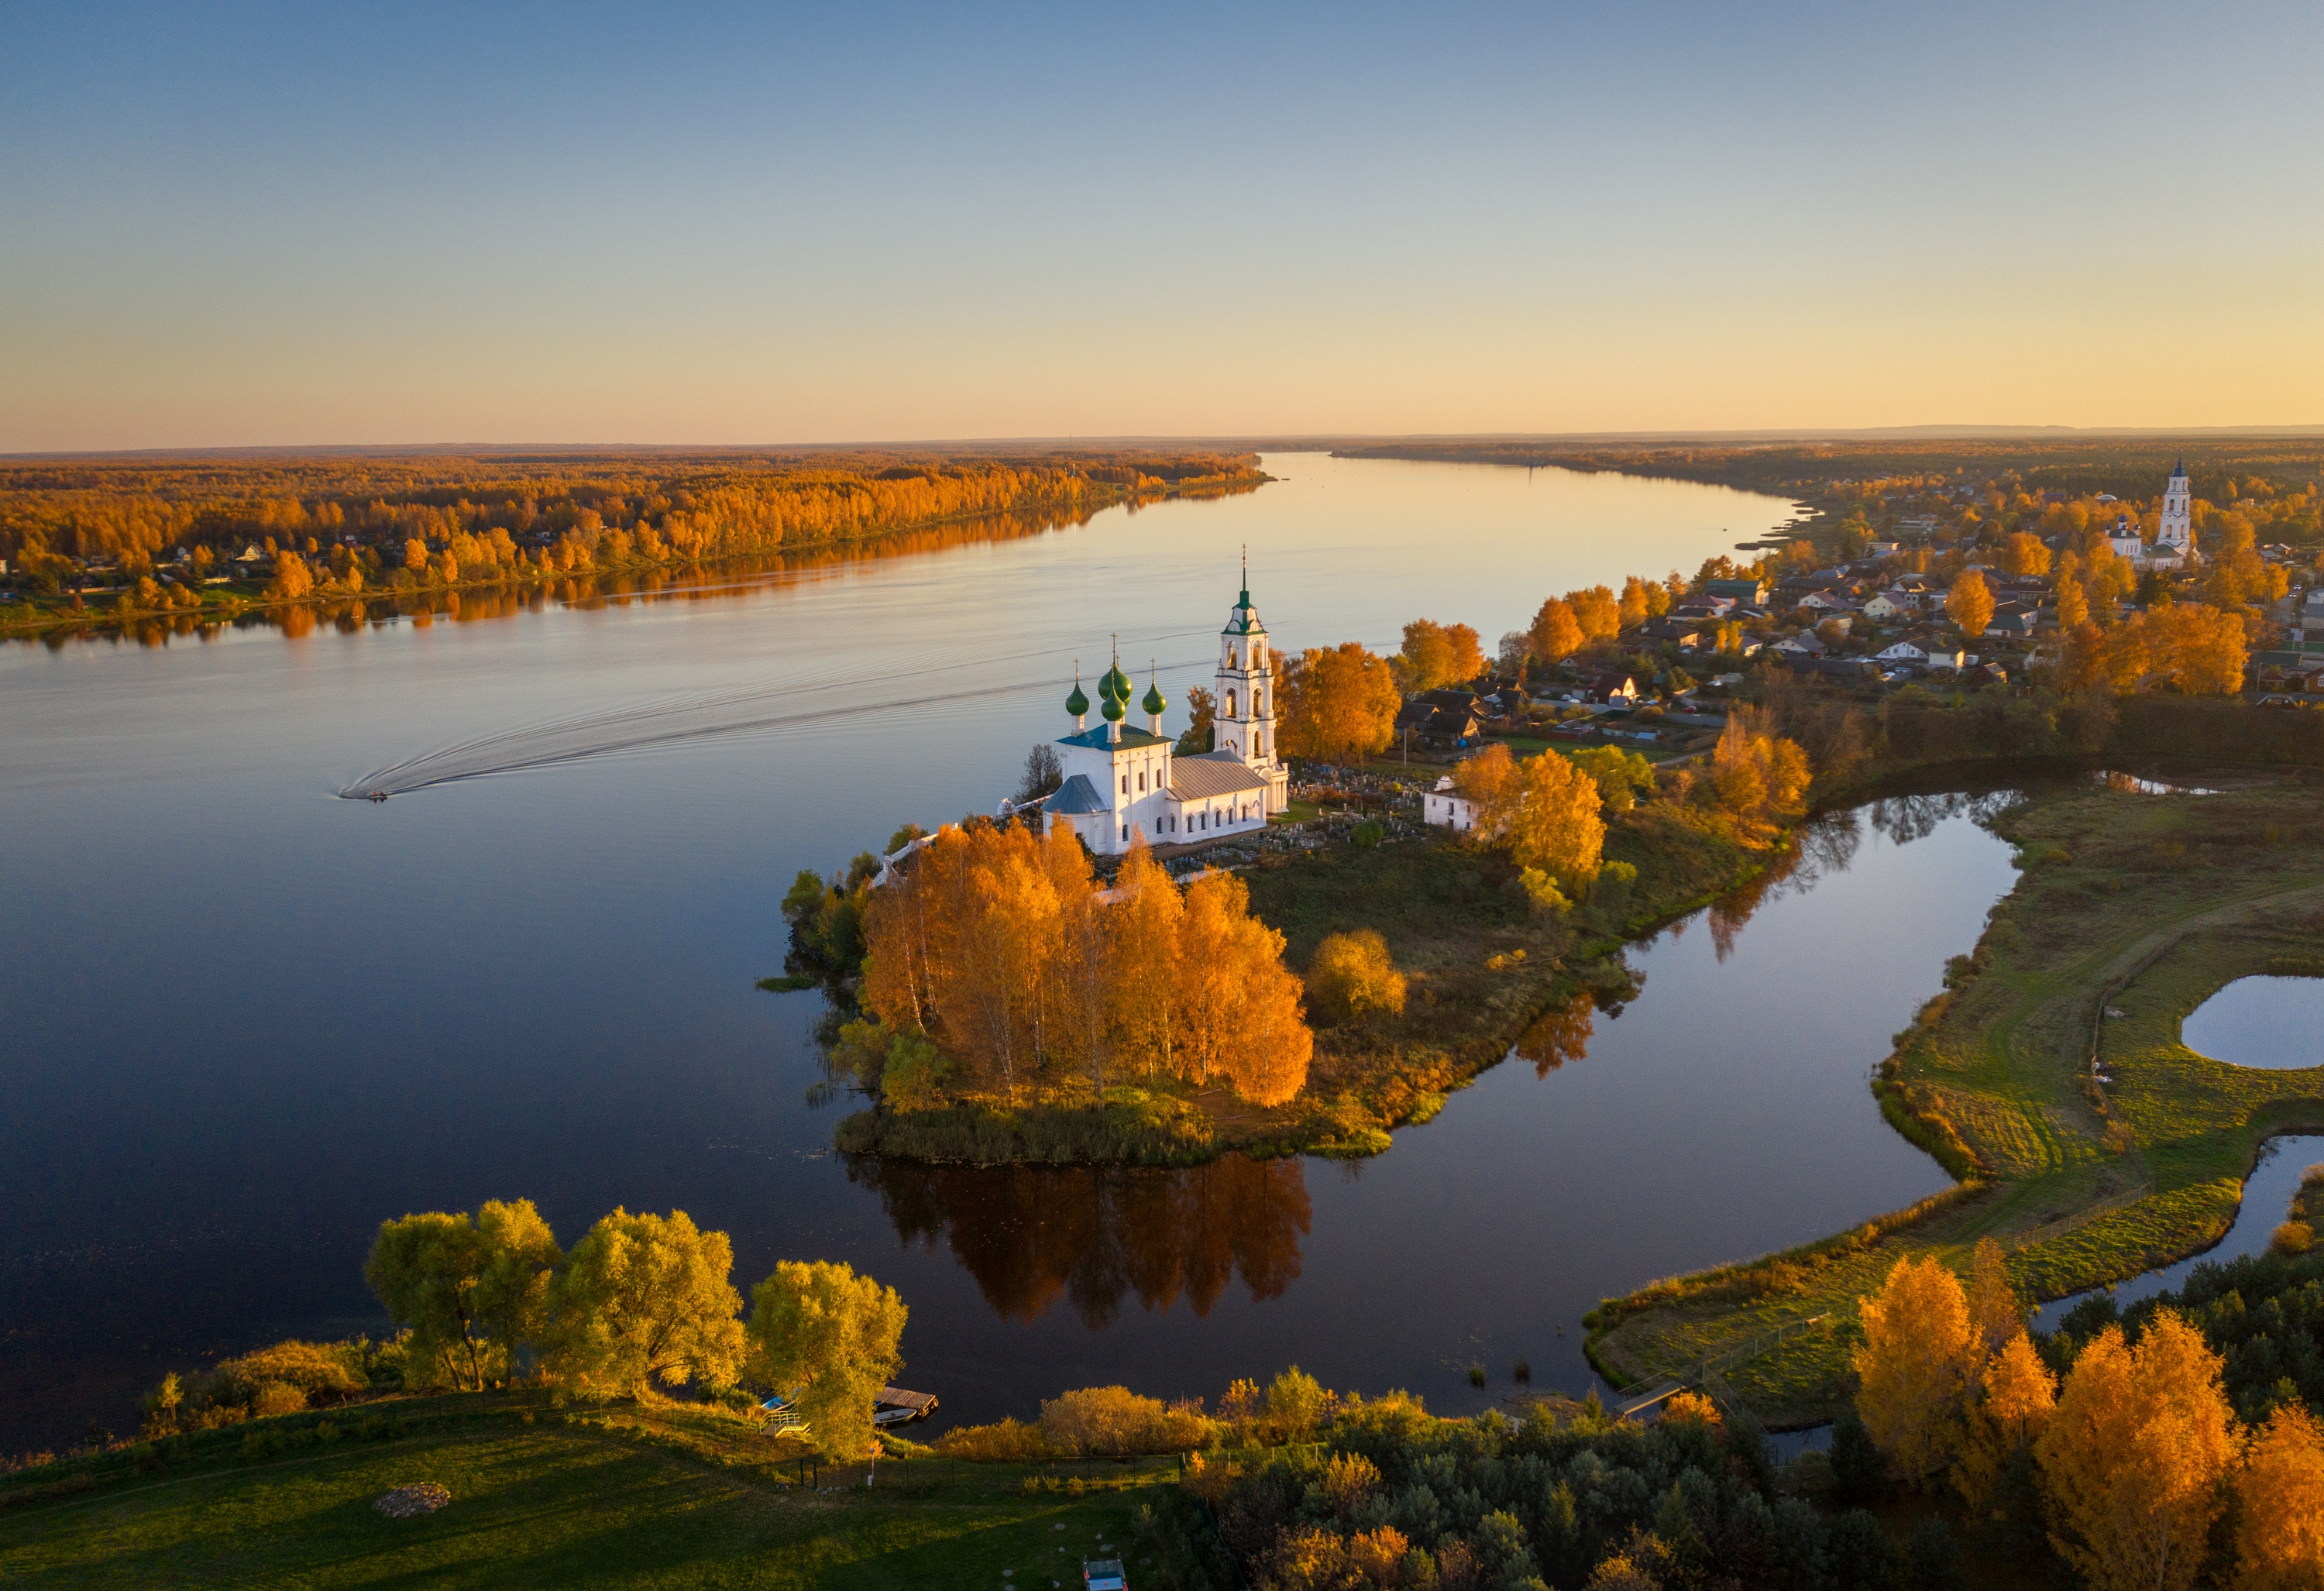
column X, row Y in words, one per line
column 1115, row 684
column 1077, row 704
column 1113, row 709
column 1155, row 702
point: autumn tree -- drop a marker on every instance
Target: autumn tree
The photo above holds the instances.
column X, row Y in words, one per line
column 1915, row 1368
column 1555, row 633
column 1545, row 811
column 1758, row 779
column 1239, row 1006
column 1557, row 827
column 1436, row 654
column 2024, row 553
column 472, row 1290
column 1619, row 775
column 1337, row 705
column 1995, row 1315
column 1143, row 947
column 2280, row 1493
column 1598, row 610
column 2073, row 601
column 645, row 1298
column 1352, row 975
column 830, row 1338
column 1970, row 602
column 2015, row 1396
column 2135, row 1459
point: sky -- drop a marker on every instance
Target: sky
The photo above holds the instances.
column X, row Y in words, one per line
column 227, row 226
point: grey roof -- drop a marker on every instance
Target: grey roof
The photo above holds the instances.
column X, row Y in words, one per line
column 1075, row 797
column 1132, row 740
column 1212, row 774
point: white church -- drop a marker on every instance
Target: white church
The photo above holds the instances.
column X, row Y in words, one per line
column 1121, row 784
column 2174, row 536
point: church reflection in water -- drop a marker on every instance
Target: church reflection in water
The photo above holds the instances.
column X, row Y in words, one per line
column 1032, row 1234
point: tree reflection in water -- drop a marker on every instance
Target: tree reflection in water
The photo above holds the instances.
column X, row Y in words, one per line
column 1031, row 1234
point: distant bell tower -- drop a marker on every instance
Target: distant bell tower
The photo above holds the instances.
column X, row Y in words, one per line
column 1244, row 719
column 2177, row 531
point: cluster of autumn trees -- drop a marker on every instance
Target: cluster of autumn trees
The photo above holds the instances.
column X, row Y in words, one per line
column 640, row 1300
column 596, row 508
column 1563, row 625
column 2128, row 1462
column 995, row 965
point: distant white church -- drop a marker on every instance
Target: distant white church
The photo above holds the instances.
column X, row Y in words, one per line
column 2174, row 537
column 1122, row 782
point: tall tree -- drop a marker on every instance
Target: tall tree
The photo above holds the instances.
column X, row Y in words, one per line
column 1915, row 1366
column 647, row 1298
column 1970, row 602
column 425, row 1269
column 2017, row 1396
column 2134, row 1462
column 1995, row 1315
column 1556, row 634
column 2279, row 1490
column 832, row 1338
column 1142, row 950
column 1337, row 705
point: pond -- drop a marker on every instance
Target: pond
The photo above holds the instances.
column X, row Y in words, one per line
column 245, row 1020
column 2276, row 1022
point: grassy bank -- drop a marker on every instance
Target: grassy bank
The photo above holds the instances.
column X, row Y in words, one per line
column 1482, row 971
column 2130, row 904
column 546, row 1496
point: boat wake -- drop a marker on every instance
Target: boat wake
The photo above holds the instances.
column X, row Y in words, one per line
column 677, row 722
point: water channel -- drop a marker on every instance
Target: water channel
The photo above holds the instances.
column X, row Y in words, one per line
column 242, row 1020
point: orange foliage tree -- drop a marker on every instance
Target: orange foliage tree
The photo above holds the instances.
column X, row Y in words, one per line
column 1555, row 634
column 2136, row 1457
column 2279, row 1490
column 1437, row 654
column 1545, row 810
column 1758, row 779
column 1917, row 1364
column 1000, row 948
column 1337, row 705
column 1970, row 602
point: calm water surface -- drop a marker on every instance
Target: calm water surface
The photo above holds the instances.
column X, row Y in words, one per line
column 242, row 1020
column 2277, row 1022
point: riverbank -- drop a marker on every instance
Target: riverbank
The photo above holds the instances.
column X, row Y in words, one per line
column 2050, row 1079
column 1486, row 976
column 243, row 600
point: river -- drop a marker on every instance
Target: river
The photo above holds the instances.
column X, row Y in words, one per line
column 242, row 1020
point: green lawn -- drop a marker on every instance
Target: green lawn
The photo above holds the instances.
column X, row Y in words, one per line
column 2143, row 905
column 554, row 1502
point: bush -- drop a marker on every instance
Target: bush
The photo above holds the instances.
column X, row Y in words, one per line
column 1350, row 975
column 1113, row 1422
column 277, row 1397
column 1012, row 1441
column 1542, row 896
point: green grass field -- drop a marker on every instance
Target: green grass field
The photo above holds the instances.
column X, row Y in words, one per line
column 624, row 1498
column 2138, row 904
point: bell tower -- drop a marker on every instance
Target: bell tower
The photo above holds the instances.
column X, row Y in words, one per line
column 1244, row 719
column 2176, row 533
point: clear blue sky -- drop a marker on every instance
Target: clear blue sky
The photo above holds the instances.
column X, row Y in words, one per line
column 231, row 225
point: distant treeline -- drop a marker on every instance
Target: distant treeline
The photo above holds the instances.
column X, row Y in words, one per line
column 708, row 505
column 2221, row 468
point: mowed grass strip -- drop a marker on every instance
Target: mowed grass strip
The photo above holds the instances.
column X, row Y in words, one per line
column 554, row 1504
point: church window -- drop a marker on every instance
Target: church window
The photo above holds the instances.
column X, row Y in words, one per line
column 1141, row 779
column 1125, row 784
column 1231, row 712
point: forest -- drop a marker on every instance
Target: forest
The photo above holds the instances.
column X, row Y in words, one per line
column 453, row 517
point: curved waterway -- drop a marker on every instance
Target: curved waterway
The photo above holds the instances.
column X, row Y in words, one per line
column 242, row 1020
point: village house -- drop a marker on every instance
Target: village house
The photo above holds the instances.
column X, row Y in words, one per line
column 1441, row 807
